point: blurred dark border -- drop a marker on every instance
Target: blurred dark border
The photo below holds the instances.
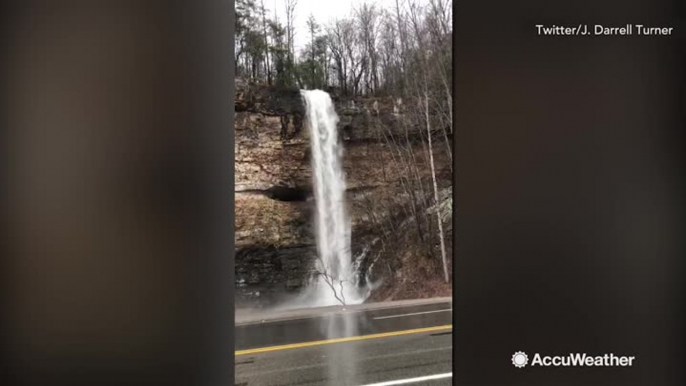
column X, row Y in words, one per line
column 570, row 192
column 117, row 192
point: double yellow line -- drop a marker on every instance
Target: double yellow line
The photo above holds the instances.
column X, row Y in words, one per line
column 343, row 340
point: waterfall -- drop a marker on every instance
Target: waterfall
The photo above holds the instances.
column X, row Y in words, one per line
column 336, row 282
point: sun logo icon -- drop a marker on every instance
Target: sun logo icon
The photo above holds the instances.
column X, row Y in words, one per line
column 520, row 359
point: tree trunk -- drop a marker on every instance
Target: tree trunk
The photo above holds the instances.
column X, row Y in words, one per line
column 436, row 197
column 266, row 46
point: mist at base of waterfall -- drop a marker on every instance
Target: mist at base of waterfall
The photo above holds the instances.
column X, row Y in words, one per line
column 319, row 294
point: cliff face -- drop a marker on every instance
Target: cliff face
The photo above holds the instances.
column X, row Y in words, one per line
column 275, row 245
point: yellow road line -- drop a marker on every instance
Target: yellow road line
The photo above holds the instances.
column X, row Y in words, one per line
column 343, row 340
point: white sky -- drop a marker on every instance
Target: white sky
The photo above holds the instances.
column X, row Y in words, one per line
column 323, row 11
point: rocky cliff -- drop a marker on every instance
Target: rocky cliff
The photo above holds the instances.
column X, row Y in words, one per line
column 275, row 246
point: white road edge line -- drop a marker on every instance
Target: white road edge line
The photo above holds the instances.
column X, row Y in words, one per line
column 414, row 313
column 342, row 311
column 338, row 312
column 412, row 380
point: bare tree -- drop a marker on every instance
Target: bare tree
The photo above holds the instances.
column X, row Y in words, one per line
column 403, row 44
column 355, row 58
column 313, row 28
column 367, row 16
column 336, row 46
column 266, row 45
column 290, row 32
column 422, row 53
column 334, row 283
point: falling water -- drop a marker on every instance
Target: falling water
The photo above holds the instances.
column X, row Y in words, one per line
column 336, row 282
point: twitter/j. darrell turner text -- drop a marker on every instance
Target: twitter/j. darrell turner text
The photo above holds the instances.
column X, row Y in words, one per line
column 602, row 30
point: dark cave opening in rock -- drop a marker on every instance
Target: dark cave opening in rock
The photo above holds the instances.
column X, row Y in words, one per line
column 283, row 193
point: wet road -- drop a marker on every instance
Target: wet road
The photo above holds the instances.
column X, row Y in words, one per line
column 380, row 344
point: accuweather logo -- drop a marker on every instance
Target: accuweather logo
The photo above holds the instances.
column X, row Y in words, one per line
column 520, row 359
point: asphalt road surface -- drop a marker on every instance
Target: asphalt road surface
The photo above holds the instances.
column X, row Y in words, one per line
column 380, row 344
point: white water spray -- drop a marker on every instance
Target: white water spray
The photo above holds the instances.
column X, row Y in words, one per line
column 336, row 283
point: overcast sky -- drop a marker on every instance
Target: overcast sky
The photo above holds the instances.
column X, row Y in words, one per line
column 323, row 11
